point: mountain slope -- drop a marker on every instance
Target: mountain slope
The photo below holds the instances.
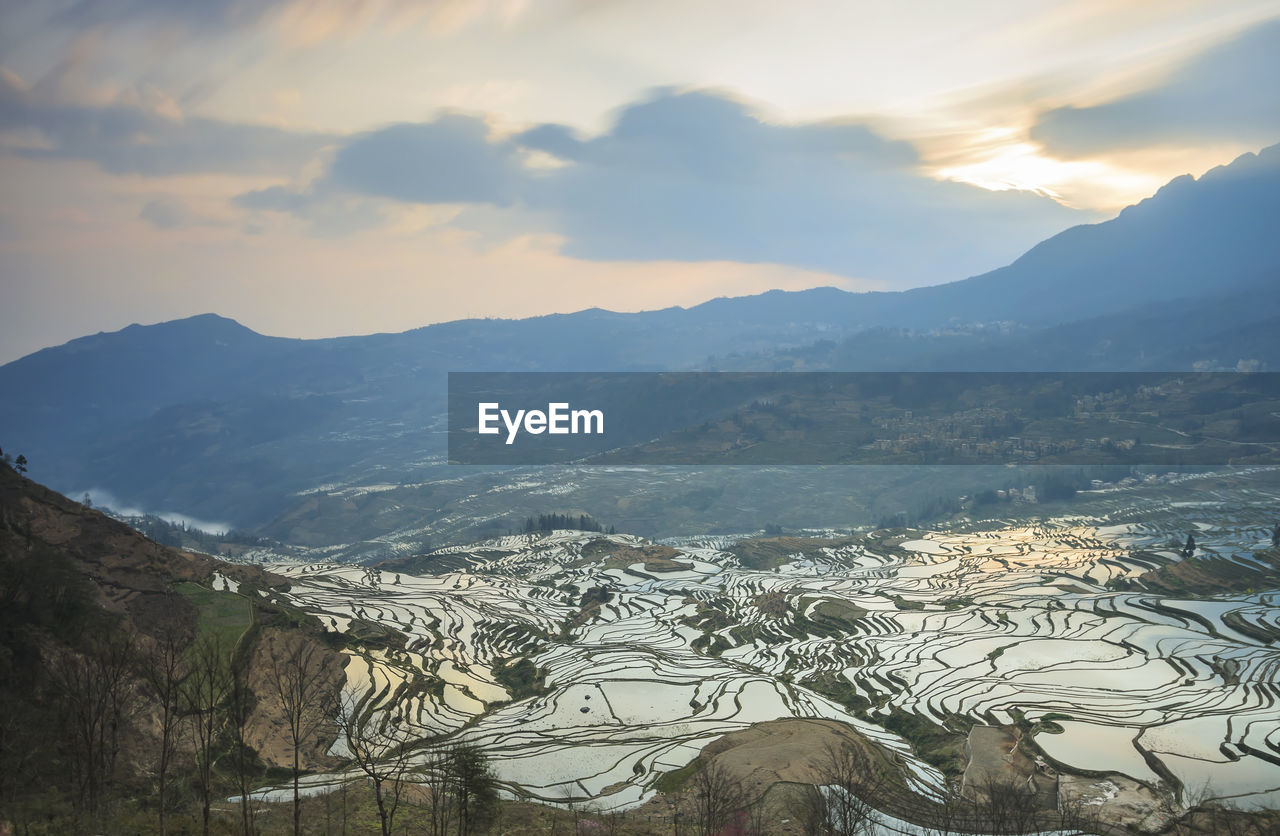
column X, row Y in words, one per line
column 1191, row 238
column 129, row 575
column 96, row 622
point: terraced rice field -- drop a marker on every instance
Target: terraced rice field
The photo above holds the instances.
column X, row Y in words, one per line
column 1019, row 620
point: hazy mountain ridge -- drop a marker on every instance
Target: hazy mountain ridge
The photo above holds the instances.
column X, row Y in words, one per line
column 208, row 417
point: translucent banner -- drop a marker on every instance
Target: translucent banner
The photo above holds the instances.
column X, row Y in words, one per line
column 788, row 418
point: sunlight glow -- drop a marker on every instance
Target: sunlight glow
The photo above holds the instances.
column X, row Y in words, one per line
column 1022, row 165
column 1003, row 161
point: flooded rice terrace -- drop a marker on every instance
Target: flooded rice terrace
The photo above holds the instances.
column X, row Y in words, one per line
column 1016, row 620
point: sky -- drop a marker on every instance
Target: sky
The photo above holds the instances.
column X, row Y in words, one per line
column 327, row 167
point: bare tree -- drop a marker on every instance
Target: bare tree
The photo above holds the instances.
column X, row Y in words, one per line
column 344, row 806
column 436, row 781
column 757, row 817
column 1009, row 804
column 23, row 751
column 298, row 677
column 203, row 691
column 717, row 796
column 842, row 803
column 612, row 821
column 240, row 705
column 379, row 749
column 98, row 694
column 1227, row 818
column 1079, row 815
column 951, row 814
column 162, row 671
column 808, row 809
column 570, row 801
column 853, row 780
column 679, row 821
column 602, row 820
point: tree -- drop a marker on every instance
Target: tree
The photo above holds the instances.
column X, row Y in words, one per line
column 20, row 463
column 1077, row 814
column 852, row 781
column 849, row 781
column 757, row 817
column 951, row 814
column 474, row 788
column 1008, row 804
column 717, row 796
column 162, row 673
column 807, row 808
column 97, row 694
column 436, row 783
column 203, row 691
column 298, row 676
column 240, row 705
column 381, row 750
column 1190, row 548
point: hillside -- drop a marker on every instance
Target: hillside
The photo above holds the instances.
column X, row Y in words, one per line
column 106, row 642
column 129, row 575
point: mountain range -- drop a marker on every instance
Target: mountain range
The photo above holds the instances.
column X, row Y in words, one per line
column 208, row 417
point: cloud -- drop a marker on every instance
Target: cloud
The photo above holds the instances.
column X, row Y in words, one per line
column 165, row 213
column 557, row 140
column 131, row 138
column 329, row 213
column 1224, row 93
column 294, row 22
column 699, row 176
column 274, row 199
column 205, row 14
column 449, row 160
column 206, row 17
column 169, row 212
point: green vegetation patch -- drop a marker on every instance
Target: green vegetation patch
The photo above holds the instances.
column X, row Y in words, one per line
column 838, row 689
column 374, row 634
column 943, row 747
column 1049, row 726
column 764, row 553
column 674, row 781
column 656, row 558
column 521, row 678
column 711, row 616
column 751, row 633
column 772, row 604
column 998, row 652
column 1208, row 575
column 841, row 613
column 904, row 604
column 710, row 644
column 224, row 616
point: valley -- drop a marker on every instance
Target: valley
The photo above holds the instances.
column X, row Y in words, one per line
column 590, row 666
